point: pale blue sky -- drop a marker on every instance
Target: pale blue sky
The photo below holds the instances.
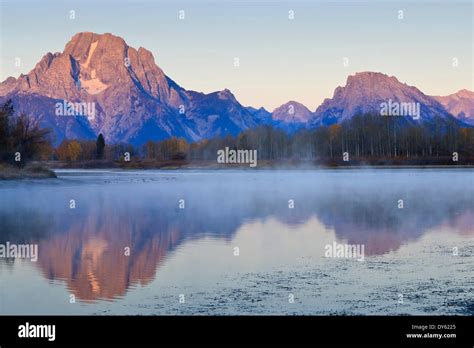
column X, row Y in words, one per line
column 280, row 59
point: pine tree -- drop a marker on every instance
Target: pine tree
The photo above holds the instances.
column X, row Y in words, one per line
column 6, row 111
column 100, row 145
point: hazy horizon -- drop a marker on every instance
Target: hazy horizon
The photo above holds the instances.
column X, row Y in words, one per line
column 281, row 59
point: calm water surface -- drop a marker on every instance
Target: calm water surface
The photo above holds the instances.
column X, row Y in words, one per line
column 190, row 251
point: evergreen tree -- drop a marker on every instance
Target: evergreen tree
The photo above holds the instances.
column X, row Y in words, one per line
column 6, row 111
column 100, row 145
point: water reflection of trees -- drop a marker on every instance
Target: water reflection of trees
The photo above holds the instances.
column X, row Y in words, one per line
column 86, row 247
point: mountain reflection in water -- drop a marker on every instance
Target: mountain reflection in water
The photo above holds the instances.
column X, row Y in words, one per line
column 86, row 247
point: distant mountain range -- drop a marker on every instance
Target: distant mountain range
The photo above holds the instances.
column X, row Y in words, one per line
column 134, row 101
column 460, row 104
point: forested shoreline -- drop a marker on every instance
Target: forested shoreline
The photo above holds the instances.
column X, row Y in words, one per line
column 365, row 139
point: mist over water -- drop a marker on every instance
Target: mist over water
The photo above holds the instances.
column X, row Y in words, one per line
column 190, row 251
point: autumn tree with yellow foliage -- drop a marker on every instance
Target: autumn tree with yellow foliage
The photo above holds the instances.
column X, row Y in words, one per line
column 69, row 150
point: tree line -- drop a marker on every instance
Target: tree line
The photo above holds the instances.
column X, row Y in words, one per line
column 363, row 136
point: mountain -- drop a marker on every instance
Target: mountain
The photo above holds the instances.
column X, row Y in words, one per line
column 289, row 117
column 292, row 112
column 261, row 115
column 99, row 84
column 217, row 113
column 131, row 97
column 372, row 92
column 460, row 105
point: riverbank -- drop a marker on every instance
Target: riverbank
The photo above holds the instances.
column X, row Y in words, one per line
column 8, row 172
column 262, row 164
column 45, row 170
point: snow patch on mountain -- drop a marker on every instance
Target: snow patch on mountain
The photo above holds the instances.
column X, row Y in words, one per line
column 93, row 86
column 91, row 52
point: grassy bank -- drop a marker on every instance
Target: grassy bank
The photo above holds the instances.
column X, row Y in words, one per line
column 440, row 162
column 41, row 170
column 8, row 172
